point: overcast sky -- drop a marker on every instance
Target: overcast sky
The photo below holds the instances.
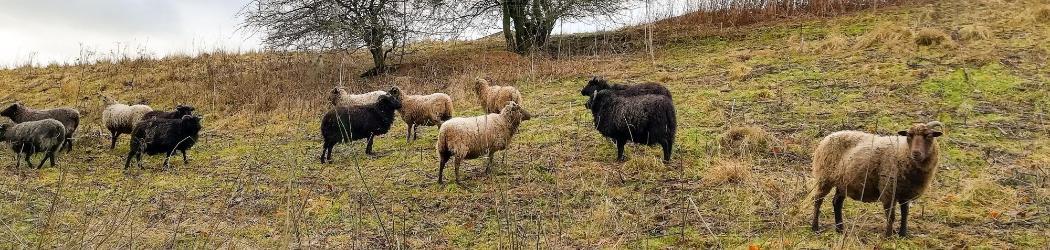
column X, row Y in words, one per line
column 58, row 30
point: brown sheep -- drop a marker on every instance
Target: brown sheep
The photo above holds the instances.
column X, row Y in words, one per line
column 493, row 98
column 869, row 168
column 424, row 110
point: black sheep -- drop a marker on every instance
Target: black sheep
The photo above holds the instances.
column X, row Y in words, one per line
column 598, row 84
column 180, row 111
column 159, row 135
column 644, row 119
column 350, row 123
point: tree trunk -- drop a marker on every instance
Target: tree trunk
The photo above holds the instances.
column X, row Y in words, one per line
column 532, row 24
column 375, row 47
column 508, row 32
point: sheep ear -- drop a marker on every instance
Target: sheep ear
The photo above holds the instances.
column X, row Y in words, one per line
column 902, row 133
column 936, row 134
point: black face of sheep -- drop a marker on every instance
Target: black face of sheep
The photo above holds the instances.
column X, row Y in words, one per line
column 11, row 110
column 184, row 109
column 348, row 123
column 595, row 84
column 920, row 139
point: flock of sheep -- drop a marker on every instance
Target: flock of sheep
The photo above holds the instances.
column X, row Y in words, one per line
column 892, row 170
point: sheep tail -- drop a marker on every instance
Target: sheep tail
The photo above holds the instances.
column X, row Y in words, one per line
column 447, row 111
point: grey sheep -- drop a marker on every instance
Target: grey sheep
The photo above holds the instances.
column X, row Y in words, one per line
column 29, row 138
column 869, row 168
column 70, row 118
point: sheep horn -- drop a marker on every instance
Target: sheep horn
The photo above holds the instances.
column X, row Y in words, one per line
column 934, row 124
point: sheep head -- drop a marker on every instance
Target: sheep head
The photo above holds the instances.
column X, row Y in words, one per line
column 12, row 110
column 516, row 111
column 395, row 92
column 595, row 84
column 388, row 102
column 480, row 84
column 184, row 109
column 920, row 139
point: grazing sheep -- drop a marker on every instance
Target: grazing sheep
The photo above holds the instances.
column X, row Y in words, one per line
column 30, row 137
column 180, row 111
column 492, row 97
column 341, row 98
column 355, row 122
column 644, row 119
column 599, row 83
column 120, row 118
column 425, row 110
column 161, row 135
column 468, row 138
column 869, row 168
column 70, row 118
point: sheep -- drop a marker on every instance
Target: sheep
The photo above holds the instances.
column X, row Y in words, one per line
column 646, row 119
column 120, row 118
column 355, row 122
column 70, row 118
column 493, row 98
column 162, row 135
column 598, row 83
column 180, row 111
column 869, row 168
column 424, row 110
column 340, row 97
column 468, row 138
column 30, row 137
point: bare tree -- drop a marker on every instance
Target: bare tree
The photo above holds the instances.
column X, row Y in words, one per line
column 381, row 26
column 527, row 24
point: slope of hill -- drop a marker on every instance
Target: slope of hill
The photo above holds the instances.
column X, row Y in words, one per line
column 752, row 102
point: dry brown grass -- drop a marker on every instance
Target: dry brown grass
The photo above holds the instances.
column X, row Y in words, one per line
column 974, row 32
column 832, row 42
column 1042, row 13
column 747, row 140
column 726, row 172
column 932, row 37
column 739, row 71
column 885, row 35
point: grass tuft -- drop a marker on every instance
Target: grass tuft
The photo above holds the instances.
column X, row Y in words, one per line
column 727, row 172
column 974, row 32
column 884, row 35
column 932, row 37
column 746, row 140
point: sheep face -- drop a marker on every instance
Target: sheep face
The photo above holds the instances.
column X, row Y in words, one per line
column 12, row 110
column 388, row 102
column 595, row 84
column 184, row 109
column 480, row 84
column 920, row 139
column 516, row 112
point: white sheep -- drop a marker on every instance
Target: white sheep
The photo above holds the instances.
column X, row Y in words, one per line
column 425, row 110
column 471, row 137
column 866, row 167
column 493, row 97
column 340, row 97
column 121, row 118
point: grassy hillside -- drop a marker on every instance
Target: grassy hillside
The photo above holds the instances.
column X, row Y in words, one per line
column 752, row 102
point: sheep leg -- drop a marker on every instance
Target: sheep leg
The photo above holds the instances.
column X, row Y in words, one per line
column 51, row 155
column 42, row 160
column 18, row 161
column 459, row 161
column 836, row 203
column 619, row 150
column 184, row 159
column 69, row 144
column 113, row 140
column 667, row 151
column 904, row 220
column 29, row 164
column 408, row 134
column 818, row 195
column 166, row 158
column 441, row 166
column 888, row 207
column 489, row 165
column 368, row 148
column 127, row 163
